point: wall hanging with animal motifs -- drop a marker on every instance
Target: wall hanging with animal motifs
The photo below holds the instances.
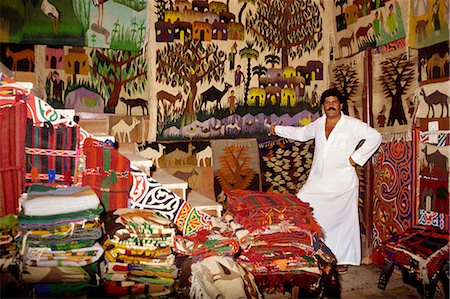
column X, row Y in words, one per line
column 222, row 71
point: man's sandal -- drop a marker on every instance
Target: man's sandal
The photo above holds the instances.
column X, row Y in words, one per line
column 342, row 269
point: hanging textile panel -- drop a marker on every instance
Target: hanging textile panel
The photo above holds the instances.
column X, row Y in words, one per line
column 347, row 75
column 52, row 153
column 394, row 75
column 433, row 100
column 108, row 173
column 12, row 157
column 361, row 25
column 434, row 153
column 285, row 164
column 394, row 187
column 433, row 63
column 236, row 164
column 428, row 22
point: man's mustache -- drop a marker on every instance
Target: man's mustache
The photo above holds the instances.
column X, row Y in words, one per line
column 331, row 108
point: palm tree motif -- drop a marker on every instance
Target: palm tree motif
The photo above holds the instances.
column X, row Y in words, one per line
column 273, row 59
column 259, row 70
column 249, row 53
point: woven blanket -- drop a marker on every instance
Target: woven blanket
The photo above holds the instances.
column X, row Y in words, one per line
column 63, row 237
column 139, row 269
column 46, row 257
column 121, row 253
column 421, row 249
column 52, row 221
column 12, row 156
column 138, row 228
column 124, row 288
column 52, row 153
column 32, row 274
column 253, row 210
column 285, row 164
column 45, row 201
column 206, row 243
column 108, row 173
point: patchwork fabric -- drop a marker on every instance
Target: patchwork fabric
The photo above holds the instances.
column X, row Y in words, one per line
column 108, row 173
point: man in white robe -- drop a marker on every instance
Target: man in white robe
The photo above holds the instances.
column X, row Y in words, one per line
column 332, row 186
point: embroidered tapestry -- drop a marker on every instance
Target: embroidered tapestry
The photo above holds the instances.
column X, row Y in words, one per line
column 368, row 24
column 236, row 164
column 394, row 189
column 428, row 22
column 394, row 75
column 433, row 63
column 347, row 75
column 285, row 164
column 433, row 100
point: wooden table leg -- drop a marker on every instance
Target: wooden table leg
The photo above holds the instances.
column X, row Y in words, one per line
column 386, row 273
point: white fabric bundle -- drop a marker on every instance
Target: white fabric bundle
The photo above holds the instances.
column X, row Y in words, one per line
column 55, row 201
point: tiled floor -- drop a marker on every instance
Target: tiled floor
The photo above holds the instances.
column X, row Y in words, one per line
column 362, row 282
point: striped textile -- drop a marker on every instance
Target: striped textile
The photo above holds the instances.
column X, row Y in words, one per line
column 12, row 156
column 52, row 153
column 108, row 173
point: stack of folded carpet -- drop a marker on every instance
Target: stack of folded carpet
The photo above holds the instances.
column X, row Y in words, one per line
column 8, row 253
column 59, row 229
column 280, row 243
column 138, row 254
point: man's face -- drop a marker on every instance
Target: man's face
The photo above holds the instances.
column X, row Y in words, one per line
column 332, row 106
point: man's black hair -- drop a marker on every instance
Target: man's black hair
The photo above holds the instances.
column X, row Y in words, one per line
column 334, row 92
